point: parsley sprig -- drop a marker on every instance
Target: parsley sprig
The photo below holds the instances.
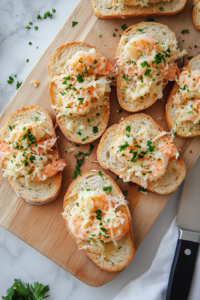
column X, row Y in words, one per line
column 37, row 291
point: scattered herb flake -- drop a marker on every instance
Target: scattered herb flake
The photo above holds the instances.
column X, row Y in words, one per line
column 74, row 23
column 124, row 27
column 185, row 31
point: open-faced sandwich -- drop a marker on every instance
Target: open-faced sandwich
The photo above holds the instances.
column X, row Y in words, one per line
column 196, row 14
column 117, row 9
column 98, row 219
column 146, row 62
column 139, row 150
column 79, row 89
column 183, row 105
column 29, row 155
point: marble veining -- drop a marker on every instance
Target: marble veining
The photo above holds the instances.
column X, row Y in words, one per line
column 17, row 259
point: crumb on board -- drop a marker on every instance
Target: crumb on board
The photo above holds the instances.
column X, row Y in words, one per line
column 191, row 151
column 104, row 44
column 35, row 83
column 160, row 118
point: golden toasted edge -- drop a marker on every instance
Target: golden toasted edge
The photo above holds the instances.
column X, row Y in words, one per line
column 179, row 161
column 123, row 208
column 195, row 15
column 58, row 176
column 170, row 101
column 133, row 13
column 106, row 112
column 119, row 80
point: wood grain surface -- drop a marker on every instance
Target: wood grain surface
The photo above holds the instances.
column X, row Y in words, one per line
column 43, row 227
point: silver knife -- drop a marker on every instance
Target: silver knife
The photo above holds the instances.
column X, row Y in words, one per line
column 188, row 243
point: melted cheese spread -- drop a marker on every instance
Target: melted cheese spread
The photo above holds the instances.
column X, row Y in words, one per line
column 20, row 154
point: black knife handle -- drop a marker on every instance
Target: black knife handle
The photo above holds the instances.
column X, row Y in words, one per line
column 182, row 269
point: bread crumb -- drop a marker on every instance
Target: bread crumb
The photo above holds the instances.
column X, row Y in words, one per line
column 160, row 118
column 35, row 83
column 191, row 151
column 104, row 44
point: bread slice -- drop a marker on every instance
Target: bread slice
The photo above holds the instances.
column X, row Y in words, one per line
column 57, row 66
column 113, row 259
column 196, row 14
column 36, row 192
column 175, row 172
column 104, row 9
column 160, row 33
column 171, row 107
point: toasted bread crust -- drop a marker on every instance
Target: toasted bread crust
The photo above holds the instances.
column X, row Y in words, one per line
column 196, row 15
column 171, row 122
column 173, row 164
column 56, row 179
column 135, row 105
column 106, row 107
column 129, row 235
column 138, row 12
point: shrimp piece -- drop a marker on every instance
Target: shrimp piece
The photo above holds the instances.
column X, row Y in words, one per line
column 90, row 62
column 170, row 151
column 141, row 44
column 120, row 228
column 171, row 73
column 49, row 170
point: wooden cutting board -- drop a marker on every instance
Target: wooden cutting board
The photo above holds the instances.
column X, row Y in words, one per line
column 43, row 227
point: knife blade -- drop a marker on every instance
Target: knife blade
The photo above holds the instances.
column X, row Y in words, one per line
column 188, row 221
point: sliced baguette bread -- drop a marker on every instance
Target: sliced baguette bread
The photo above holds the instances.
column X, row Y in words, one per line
column 34, row 192
column 175, row 171
column 127, row 85
column 112, row 259
column 106, row 9
column 196, row 14
column 187, row 128
column 69, row 124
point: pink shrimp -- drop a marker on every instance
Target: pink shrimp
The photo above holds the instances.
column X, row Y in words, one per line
column 90, row 62
column 50, row 170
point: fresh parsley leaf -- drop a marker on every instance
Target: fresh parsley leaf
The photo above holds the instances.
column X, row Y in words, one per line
column 18, row 84
column 84, row 139
column 79, row 162
column 80, row 78
column 74, row 23
column 140, row 30
column 53, row 10
column 185, row 31
column 36, row 27
column 39, row 17
column 10, row 80
column 161, row 9
column 100, row 35
column 95, row 129
column 145, row 64
column 114, row 34
column 124, row 76
column 124, row 27
column 189, row 57
column 27, row 27
column 141, row 190
column 19, row 291
column 107, row 188
column 99, row 214
column 30, row 43
column 128, row 128
column 125, row 193
column 123, row 91
column 104, row 229
column 27, row 60
column 100, row 173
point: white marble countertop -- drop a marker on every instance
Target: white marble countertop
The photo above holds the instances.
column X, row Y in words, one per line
column 17, row 259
